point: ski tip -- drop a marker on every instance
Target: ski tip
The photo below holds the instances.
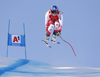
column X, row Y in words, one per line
column 42, row 40
column 46, row 44
column 49, row 46
column 58, row 42
column 76, row 56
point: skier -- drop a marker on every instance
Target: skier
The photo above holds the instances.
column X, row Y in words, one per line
column 53, row 20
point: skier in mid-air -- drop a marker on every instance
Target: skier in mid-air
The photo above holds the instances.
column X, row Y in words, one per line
column 53, row 20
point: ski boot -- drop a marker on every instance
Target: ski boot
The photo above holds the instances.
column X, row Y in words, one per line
column 53, row 38
column 47, row 38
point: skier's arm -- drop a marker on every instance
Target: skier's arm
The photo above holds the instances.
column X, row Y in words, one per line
column 46, row 19
column 61, row 22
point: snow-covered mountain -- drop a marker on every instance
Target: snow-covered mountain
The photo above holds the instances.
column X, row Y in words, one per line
column 27, row 68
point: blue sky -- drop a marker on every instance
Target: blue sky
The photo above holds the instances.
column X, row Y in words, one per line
column 81, row 28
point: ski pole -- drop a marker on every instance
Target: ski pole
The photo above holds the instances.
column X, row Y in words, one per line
column 69, row 44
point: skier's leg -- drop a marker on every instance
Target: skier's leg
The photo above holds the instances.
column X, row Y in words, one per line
column 47, row 38
column 53, row 39
column 57, row 24
column 48, row 32
column 55, row 31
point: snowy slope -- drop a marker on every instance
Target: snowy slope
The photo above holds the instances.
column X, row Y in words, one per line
column 26, row 68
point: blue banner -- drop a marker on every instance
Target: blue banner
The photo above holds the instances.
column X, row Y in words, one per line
column 16, row 40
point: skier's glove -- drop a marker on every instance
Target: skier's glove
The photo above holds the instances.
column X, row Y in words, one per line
column 58, row 33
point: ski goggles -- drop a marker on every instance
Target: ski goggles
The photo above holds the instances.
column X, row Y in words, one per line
column 54, row 11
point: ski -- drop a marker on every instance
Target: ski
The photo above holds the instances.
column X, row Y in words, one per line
column 46, row 44
column 55, row 42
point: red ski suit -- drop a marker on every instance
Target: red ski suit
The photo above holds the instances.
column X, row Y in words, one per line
column 52, row 21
